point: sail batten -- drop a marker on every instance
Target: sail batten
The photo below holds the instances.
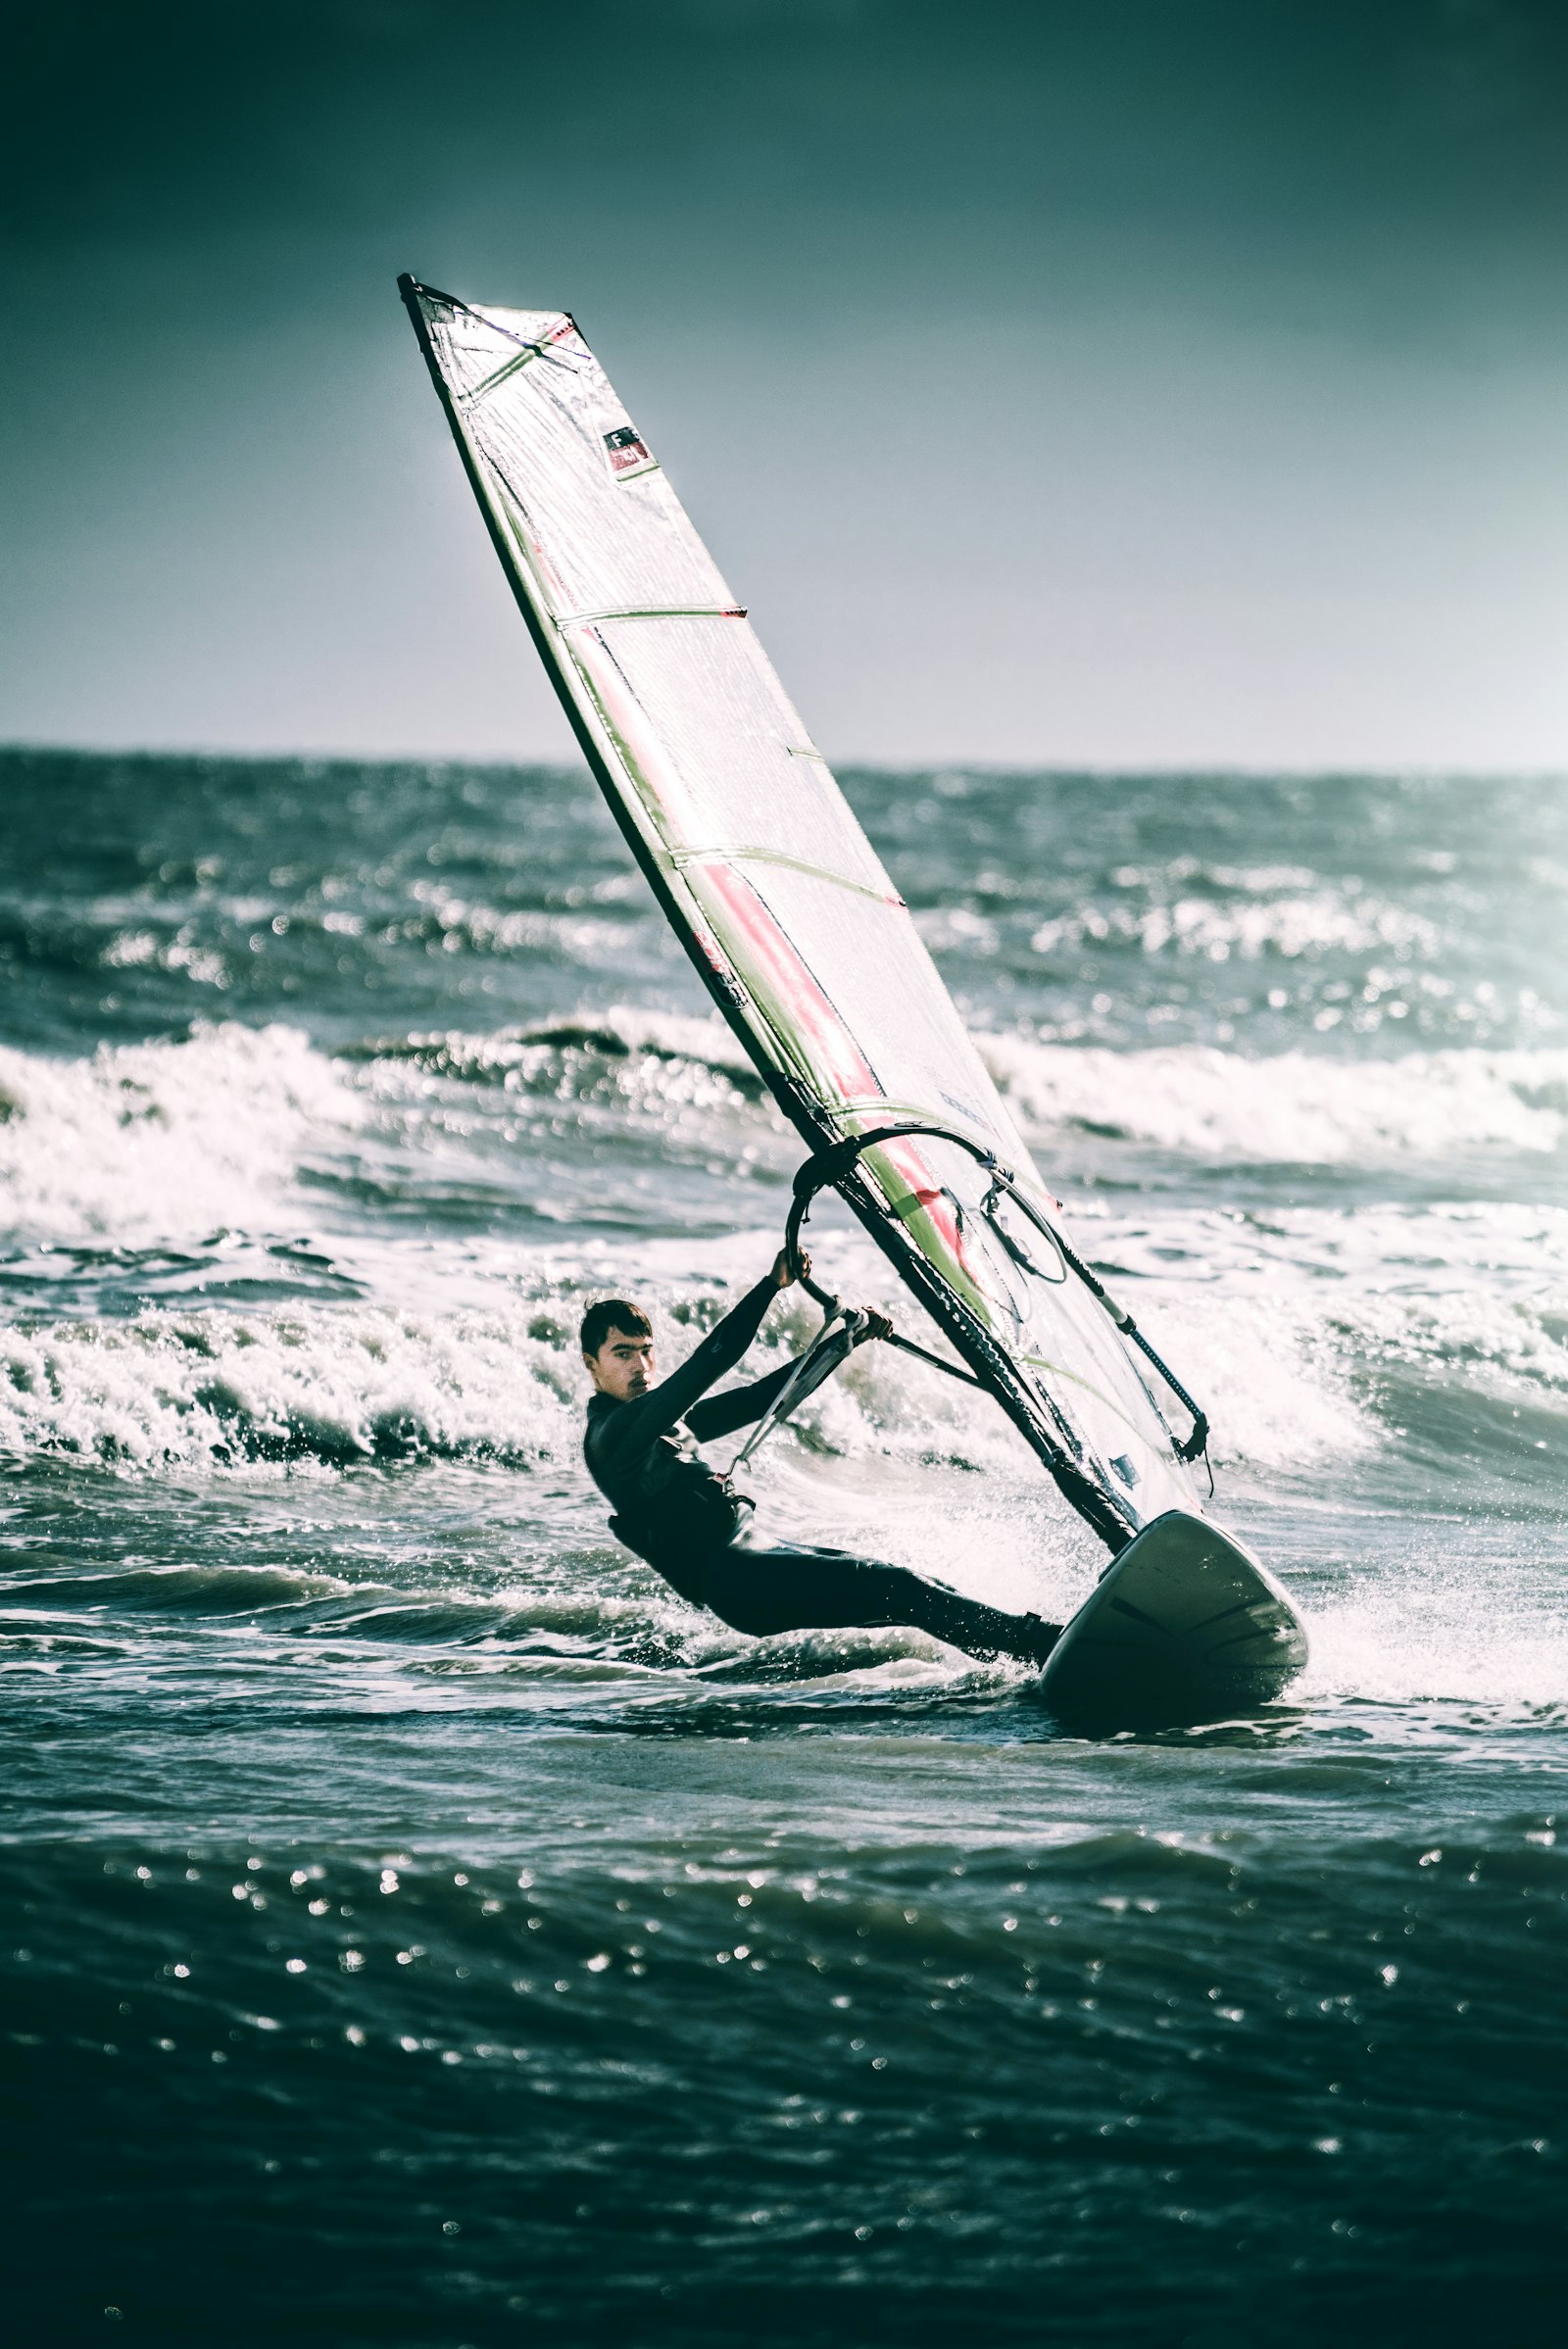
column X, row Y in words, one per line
column 767, row 877
column 662, row 612
column 681, row 858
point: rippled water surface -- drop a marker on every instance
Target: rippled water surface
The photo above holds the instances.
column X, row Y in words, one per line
column 422, row 1928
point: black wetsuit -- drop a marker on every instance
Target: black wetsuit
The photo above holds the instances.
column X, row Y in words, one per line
column 685, row 1520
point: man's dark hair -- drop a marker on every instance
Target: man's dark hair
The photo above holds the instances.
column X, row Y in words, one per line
column 613, row 1313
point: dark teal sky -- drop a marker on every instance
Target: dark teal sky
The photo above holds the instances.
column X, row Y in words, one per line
column 1157, row 380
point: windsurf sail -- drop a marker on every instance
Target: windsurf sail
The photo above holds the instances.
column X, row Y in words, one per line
column 783, row 905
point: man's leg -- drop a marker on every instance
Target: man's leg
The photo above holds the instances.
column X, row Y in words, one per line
column 762, row 1591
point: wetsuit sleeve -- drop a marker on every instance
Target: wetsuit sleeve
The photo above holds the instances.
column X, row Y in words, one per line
column 722, row 1414
column 629, row 1429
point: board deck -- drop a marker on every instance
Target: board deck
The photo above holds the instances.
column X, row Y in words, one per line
column 1183, row 1626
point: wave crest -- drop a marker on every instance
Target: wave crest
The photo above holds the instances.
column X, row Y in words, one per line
column 152, row 1139
column 1292, row 1109
column 214, row 1390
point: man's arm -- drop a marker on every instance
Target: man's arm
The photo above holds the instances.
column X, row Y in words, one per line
column 743, row 1406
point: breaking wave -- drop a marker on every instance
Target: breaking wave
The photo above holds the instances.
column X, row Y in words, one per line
column 665, row 1040
column 1292, row 1109
column 217, row 1389
column 1291, row 1379
column 164, row 1138
column 236, row 1128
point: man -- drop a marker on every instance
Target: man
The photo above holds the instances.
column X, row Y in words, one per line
column 686, row 1520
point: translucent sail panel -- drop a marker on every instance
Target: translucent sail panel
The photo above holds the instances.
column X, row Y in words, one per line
column 819, row 958
column 599, row 534
column 723, row 762
column 1059, row 1335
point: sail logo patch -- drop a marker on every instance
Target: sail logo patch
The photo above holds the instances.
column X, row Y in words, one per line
column 628, row 455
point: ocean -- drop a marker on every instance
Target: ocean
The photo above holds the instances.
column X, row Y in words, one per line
column 422, row 1928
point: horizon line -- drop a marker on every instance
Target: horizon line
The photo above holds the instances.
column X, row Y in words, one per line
column 1174, row 771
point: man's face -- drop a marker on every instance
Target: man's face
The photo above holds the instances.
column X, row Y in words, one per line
column 624, row 1366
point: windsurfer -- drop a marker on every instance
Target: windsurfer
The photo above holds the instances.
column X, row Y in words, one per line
column 689, row 1523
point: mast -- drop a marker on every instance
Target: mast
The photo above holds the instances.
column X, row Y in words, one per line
column 780, row 902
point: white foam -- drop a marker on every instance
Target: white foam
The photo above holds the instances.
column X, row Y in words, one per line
column 1293, row 1108
column 478, row 1368
column 1511, row 1348
column 156, row 1141
column 211, row 1390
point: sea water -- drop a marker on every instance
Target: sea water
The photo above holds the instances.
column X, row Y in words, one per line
column 422, row 1927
